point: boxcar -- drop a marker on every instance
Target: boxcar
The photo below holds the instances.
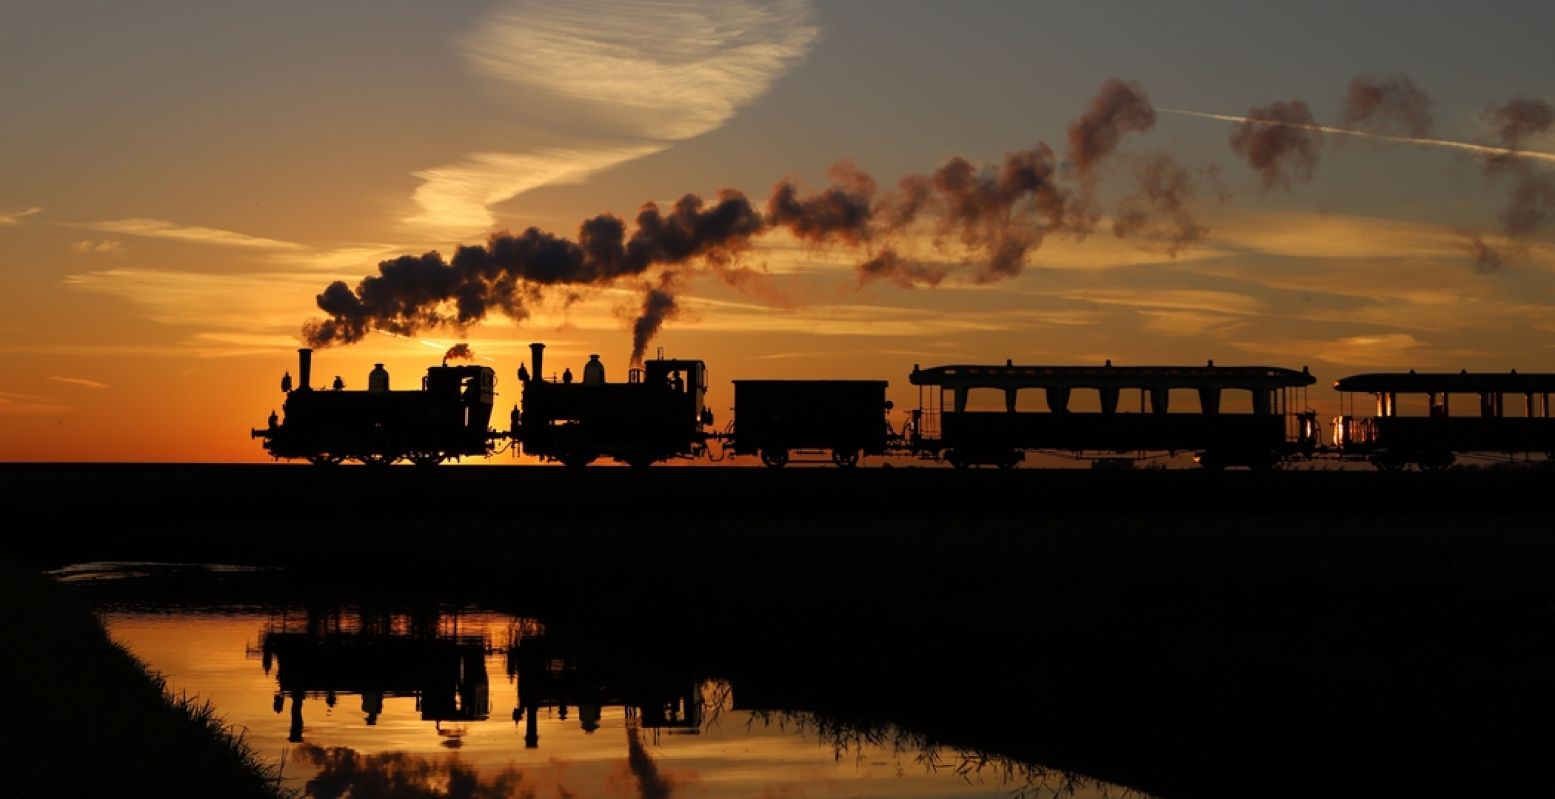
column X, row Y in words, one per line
column 776, row 418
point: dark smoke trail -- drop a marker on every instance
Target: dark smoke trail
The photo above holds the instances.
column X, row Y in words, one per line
column 1158, row 215
column 1392, row 104
column 1002, row 214
column 889, row 265
column 999, row 213
column 458, row 352
column 1531, row 204
column 1118, row 109
column 842, row 213
column 650, row 783
column 412, row 293
column 1520, row 118
column 658, row 305
column 1279, row 142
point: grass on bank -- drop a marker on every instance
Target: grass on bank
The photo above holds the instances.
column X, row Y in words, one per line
column 88, row 719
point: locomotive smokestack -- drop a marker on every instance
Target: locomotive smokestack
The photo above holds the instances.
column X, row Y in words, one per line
column 304, row 368
column 539, row 360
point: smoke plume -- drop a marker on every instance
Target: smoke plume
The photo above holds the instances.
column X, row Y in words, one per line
column 1531, row 203
column 1157, row 215
column 411, row 293
column 1280, row 142
column 997, row 214
column 658, row 305
column 1520, row 118
column 842, row 213
column 1118, row 109
column 1392, row 104
column 458, row 352
column 890, row 265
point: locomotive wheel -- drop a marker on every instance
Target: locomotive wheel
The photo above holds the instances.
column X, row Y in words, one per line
column 426, row 458
column 845, row 458
column 774, row 458
column 326, row 459
column 378, row 459
column 639, row 461
column 577, row 461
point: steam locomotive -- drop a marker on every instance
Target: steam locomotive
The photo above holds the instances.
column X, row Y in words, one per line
column 967, row 415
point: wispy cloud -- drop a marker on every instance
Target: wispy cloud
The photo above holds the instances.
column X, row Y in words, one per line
column 1223, row 303
column 79, row 382
column 666, row 70
column 271, row 301
column 459, row 196
column 104, row 247
column 193, row 234
column 349, row 257
column 630, row 78
column 15, row 404
column 15, row 217
column 1380, row 350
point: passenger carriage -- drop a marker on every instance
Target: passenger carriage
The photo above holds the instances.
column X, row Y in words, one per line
column 1429, row 419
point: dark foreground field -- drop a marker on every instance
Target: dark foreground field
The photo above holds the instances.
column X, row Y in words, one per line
column 1183, row 633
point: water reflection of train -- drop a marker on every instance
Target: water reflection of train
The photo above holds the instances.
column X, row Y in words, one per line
column 439, row 661
column 377, row 655
column 967, row 415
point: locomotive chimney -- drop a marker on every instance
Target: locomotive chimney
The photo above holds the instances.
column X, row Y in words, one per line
column 539, row 361
column 304, row 368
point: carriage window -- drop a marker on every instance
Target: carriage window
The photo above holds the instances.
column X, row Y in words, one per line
column 985, row 400
column 1033, row 400
column 1515, row 406
column 1236, row 400
column 1088, row 400
column 1183, row 400
column 1462, row 405
column 1415, row 405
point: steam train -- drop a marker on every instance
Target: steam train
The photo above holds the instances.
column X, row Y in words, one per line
column 967, row 415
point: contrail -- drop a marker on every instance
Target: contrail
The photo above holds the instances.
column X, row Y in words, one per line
column 1480, row 149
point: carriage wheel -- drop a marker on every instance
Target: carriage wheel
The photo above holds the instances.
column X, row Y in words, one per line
column 845, row 458
column 774, row 458
column 639, row 461
column 1437, row 462
column 1388, row 462
column 326, row 459
column 574, row 461
column 427, row 459
column 378, row 459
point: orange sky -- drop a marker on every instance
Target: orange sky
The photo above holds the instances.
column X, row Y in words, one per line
column 175, row 198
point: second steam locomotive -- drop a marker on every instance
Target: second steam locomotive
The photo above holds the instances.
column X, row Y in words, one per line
column 967, row 415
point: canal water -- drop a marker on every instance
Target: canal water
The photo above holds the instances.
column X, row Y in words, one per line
column 350, row 700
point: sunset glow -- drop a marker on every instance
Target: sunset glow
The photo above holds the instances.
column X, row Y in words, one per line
column 179, row 196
